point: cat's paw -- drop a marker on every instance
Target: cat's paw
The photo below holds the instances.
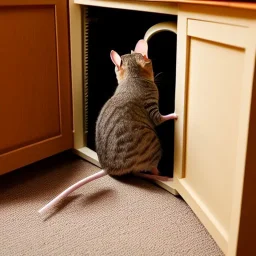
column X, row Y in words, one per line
column 169, row 117
column 175, row 116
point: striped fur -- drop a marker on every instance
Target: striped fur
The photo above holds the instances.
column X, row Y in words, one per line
column 126, row 140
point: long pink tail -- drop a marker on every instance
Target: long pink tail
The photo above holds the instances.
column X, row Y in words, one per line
column 71, row 189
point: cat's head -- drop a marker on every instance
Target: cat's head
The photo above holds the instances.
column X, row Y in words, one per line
column 135, row 64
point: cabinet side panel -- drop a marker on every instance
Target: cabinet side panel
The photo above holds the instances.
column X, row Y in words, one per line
column 246, row 237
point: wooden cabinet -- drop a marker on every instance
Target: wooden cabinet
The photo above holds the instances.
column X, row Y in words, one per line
column 35, row 89
column 214, row 163
column 216, row 61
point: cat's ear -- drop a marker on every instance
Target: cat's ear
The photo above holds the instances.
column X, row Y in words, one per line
column 142, row 47
column 116, row 59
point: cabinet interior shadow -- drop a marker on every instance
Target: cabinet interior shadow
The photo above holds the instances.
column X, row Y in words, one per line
column 119, row 30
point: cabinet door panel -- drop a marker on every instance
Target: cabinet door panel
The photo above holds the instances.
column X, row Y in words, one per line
column 35, row 93
column 214, row 97
column 29, row 78
column 211, row 135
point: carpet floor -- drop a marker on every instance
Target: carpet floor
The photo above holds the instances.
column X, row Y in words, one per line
column 125, row 216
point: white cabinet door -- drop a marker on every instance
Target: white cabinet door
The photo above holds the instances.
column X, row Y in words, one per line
column 215, row 63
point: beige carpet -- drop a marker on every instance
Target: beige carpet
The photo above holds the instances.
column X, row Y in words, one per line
column 129, row 216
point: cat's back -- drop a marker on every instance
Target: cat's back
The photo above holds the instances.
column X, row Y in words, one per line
column 121, row 111
column 123, row 133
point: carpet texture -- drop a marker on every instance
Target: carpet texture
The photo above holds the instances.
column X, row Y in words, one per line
column 125, row 216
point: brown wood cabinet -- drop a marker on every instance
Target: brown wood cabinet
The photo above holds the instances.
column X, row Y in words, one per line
column 35, row 87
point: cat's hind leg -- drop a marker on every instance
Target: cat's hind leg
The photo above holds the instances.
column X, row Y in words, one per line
column 154, row 176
